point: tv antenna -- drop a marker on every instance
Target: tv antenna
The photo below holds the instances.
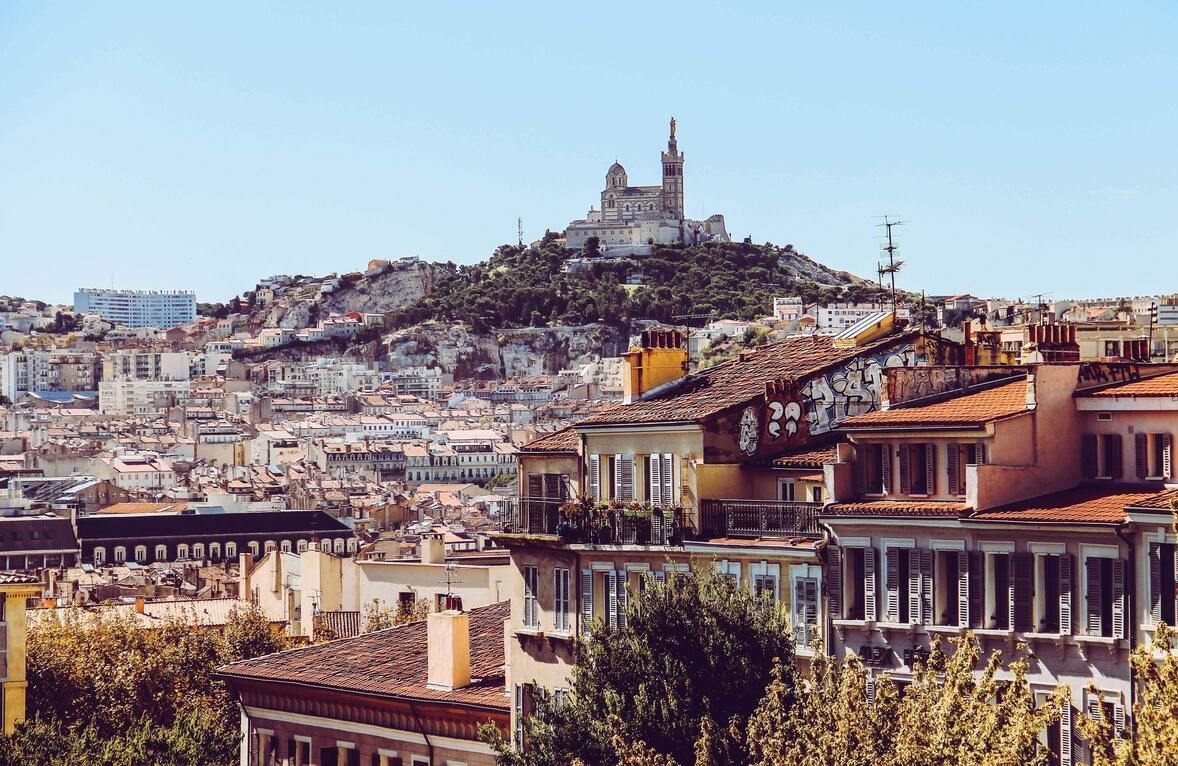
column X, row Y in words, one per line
column 890, row 248
column 519, row 222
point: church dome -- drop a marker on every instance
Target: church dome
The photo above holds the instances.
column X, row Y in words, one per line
column 616, row 169
column 615, row 177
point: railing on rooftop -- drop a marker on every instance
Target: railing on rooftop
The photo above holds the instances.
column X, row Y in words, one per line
column 760, row 518
column 594, row 526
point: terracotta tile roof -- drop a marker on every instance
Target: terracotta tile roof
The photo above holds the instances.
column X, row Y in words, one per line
column 968, row 410
column 564, row 440
column 1158, row 502
column 340, row 624
column 17, row 578
column 1158, row 385
column 391, row 663
column 1091, row 505
column 886, row 508
column 731, row 383
column 806, row 457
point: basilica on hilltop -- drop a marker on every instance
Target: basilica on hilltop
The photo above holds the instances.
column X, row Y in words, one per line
column 634, row 218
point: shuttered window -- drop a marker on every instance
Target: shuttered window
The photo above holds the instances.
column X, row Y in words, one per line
column 805, row 610
column 561, row 618
column 1105, row 593
column 586, row 602
column 594, row 477
column 623, row 478
column 531, row 603
column 659, row 480
column 1163, row 572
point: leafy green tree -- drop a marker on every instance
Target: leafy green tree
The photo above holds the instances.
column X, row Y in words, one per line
column 695, row 656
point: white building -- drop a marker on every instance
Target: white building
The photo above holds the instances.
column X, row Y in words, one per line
column 836, row 317
column 138, row 308
column 128, row 398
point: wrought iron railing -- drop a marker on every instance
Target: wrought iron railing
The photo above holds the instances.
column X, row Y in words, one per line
column 613, row 526
column 760, row 518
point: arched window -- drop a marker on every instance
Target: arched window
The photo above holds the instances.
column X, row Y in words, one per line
column 120, row 554
column 351, row 545
column 141, row 554
column 254, row 548
column 99, row 556
column 215, row 551
column 161, row 553
column 182, row 551
column 302, row 546
column 198, row 551
column 230, row 550
column 270, row 546
column 285, row 545
column 339, row 545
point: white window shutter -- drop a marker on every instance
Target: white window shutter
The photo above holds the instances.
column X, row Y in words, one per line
column 914, row 586
column 654, row 465
column 595, row 477
column 963, row 589
column 1065, row 734
column 870, row 690
column 623, row 599
column 586, row 601
column 670, row 496
column 624, row 477
column 1065, row 594
column 1119, row 622
column 612, row 590
column 869, row 612
column 799, row 612
column 892, row 584
column 1166, row 461
column 926, row 586
column 1119, row 719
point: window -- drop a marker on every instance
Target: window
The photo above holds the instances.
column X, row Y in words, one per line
column 215, row 551
column 1100, row 456
column 99, row 556
column 899, row 564
column 230, row 550
column 786, row 489
column 660, row 479
column 560, row 600
column 531, row 605
column 765, row 579
column 947, row 594
column 917, row 469
column 182, row 551
column 816, row 494
column 141, row 554
column 998, row 592
column 161, row 553
column 1105, row 597
column 1153, row 453
column 1163, row 571
column 198, row 551
column 957, row 457
column 851, row 581
column 622, row 486
column 120, row 554
column 875, row 472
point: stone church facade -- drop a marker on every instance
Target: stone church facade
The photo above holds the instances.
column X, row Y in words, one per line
column 633, row 218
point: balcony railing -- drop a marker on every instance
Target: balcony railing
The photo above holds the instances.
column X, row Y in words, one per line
column 542, row 516
column 760, row 518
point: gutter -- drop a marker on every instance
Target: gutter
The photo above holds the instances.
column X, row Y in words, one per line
column 429, row 745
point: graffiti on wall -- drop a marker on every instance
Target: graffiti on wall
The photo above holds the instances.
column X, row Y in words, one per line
column 853, row 389
column 784, row 417
column 921, row 382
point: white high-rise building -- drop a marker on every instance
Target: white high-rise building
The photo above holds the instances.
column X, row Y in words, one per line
column 138, row 308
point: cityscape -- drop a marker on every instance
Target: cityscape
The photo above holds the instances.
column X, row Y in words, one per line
column 626, row 487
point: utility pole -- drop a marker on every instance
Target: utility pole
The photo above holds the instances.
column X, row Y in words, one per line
column 1153, row 315
column 890, row 248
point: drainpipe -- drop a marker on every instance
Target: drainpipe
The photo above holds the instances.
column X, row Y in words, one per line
column 429, row 746
column 1131, row 608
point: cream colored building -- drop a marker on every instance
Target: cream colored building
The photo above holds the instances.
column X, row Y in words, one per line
column 16, row 589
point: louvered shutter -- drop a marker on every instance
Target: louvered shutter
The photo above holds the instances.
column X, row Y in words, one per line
column 586, row 601
column 535, row 485
column 1065, row 734
column 670, row 496
column 926, row 586
column 963, row 589
column 1021, row 593
column 1119, row 719
column 624, row 477
column 1139, row 444
column 799, row 612
column 885, row 468
column 892, row 584
column 952, row 469
column 834, row 580
column 905, row 472
column 1116, row 467
column 1118, row 589
column 654, row 467
column 930, row 469
column 914, row 586
column 862, row 455
column 977, row 589
column 1092, row 568
column 981, row 453
column 869, row 612
column 1166, row 461
column 612, row 591
column 810, row 598
column 1155, row 581
column 660, row 577
column 870, row 690
column 1088, row 456
column 623, row 599
column 595, row 477
column 1065, row 593
column 1093, row 706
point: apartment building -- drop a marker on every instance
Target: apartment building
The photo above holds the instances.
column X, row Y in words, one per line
column 727, row 467
column 136, row 382
column 138, row 308
column 28, row 370
column 1027, row 505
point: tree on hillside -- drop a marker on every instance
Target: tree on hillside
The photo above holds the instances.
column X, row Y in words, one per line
column 695, row 655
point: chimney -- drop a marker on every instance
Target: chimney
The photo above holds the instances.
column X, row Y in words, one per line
column 661, row 359
column 245, row 562
column 140, row 602
column 433, row 548
column 448, row 637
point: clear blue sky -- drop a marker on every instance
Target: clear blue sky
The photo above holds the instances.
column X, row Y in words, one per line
column 1032, row 146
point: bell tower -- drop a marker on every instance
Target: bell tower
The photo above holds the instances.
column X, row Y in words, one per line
column 672, row 178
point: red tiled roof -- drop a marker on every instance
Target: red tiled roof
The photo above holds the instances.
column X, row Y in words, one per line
column 1158, row 385
column 806, row 458
column 564, row 440
column 968, row 410
column 391, row 663
column 1158, row 502
column 1091, row 505
column 731, row 383
column 885, row 508
column 17, row 578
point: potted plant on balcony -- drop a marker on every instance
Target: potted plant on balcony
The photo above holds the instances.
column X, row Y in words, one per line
column 574, row 518
column 636, row 524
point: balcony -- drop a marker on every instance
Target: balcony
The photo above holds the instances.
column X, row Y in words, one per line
column 584, row 523
column 760, row 518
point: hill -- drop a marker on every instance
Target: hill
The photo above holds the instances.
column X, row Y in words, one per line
column 542, row 285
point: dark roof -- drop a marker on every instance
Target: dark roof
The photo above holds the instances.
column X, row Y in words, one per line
column 564, row 440
column 971, row 409
column 391, row 663
column 734, row 382
column 187, row 524
column 1090, row 505
column 36, row 533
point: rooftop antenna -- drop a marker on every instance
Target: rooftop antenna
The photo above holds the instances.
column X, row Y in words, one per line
column 890, row 248
column 520, row 227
